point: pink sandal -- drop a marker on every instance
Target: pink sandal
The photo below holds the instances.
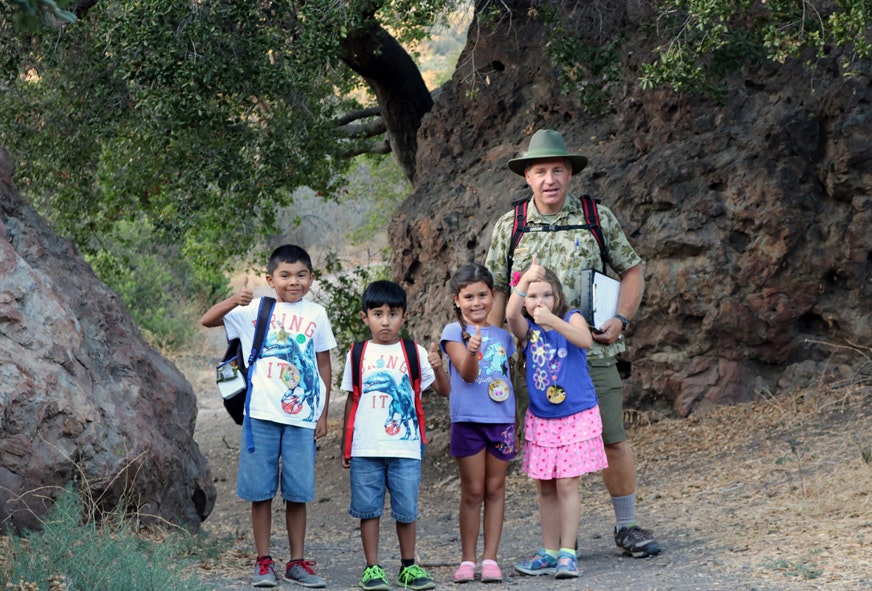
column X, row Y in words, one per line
column 465, row 572
column 490, row 572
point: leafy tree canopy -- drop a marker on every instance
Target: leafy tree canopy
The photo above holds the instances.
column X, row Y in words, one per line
column 703, row 40
column 203, row 116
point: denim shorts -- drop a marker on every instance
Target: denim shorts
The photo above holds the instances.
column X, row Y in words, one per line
column 258, row 476
column 371, row 477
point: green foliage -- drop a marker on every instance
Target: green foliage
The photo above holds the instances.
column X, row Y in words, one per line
column 806, row 568
column 341, row 291
column 75, row 551
column 380, row 183
column 586, row 70
column 163, row 291
column 707, row 39
column 190, row 113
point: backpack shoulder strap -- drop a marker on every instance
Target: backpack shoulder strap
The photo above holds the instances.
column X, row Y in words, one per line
column 591, row 219
column 413, row 363
column 356, row 373
column 356, row 367
column 591, row 216
column 264, row 315
column 518, row 225
column 412, row 360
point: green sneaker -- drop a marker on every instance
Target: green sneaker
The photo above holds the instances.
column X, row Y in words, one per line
column 415, row 577
column 374, row 579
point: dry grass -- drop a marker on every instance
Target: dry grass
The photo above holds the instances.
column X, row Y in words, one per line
column 784, row 483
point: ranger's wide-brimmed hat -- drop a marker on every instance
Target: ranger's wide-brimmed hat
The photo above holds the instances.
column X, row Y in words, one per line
column 546, row 143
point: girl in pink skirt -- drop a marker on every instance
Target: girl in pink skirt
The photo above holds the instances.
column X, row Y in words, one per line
column 562, row 428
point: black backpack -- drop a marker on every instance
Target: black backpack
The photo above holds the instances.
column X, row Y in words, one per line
column 520, row 227
column 235, row 405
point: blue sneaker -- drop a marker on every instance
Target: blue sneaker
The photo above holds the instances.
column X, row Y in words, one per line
column 264, row 573
column 302, row 573
column 567, row 566
column 541, row 564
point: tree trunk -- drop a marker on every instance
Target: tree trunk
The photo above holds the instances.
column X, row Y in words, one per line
column 398, row 86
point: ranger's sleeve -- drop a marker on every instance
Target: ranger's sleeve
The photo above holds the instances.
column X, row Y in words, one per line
column 499, row 248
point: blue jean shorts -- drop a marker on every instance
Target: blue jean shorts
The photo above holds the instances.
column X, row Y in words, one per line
column 371, row 477
column 258, row 476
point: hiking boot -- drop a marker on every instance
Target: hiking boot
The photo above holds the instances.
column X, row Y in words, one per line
column 264, row 573
column 301, row 573
column 415, row 577
column 374, row 579
column 636, row 542
column 567, row 566
column 541, row 564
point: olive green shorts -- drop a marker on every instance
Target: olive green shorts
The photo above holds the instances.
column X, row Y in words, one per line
column 609, row 390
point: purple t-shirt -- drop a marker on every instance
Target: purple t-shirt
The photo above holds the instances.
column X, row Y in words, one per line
column 557, row 376
column 491, row 398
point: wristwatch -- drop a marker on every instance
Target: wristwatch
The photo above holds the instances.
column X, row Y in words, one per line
column 624, row 321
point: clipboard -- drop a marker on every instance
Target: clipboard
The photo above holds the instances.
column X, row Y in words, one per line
column 599, row 297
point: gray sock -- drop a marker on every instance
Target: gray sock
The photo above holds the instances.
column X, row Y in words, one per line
column 625, row 511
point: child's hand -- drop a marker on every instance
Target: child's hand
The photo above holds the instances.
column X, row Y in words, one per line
column 534, row 273
column 321, row 426
column 244, row 296
column 474, row 343
column 434, row 357
column 543, row 317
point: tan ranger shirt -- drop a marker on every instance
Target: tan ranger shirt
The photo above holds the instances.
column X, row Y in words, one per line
column 565, row 252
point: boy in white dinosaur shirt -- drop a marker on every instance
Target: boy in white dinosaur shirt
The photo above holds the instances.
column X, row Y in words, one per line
column 383, row 430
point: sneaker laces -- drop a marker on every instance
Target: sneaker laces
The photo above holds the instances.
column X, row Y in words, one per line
column 636, row 535
column 415, row 572
column 373, row 572
column 305, row 564
column 264, row 563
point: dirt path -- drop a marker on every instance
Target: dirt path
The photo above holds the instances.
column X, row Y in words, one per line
column 728, row 506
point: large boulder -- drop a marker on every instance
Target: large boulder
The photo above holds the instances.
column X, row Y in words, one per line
column 83, row 398
column 754, row 215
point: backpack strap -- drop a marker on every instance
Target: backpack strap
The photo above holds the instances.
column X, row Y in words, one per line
column 591, row 216
column 520, row 227
column 356, row 372
column 264, row 315
column 413, row 363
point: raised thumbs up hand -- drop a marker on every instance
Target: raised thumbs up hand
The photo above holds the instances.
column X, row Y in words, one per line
column 535, row 272
column 245, row 295
column 474, row 343
column 434, row 357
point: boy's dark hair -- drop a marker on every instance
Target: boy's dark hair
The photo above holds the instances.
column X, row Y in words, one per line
column 379, row 293
column 288, row 253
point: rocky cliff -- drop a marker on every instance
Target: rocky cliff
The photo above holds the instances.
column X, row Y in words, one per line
column 83, row 398
column 754, row 215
